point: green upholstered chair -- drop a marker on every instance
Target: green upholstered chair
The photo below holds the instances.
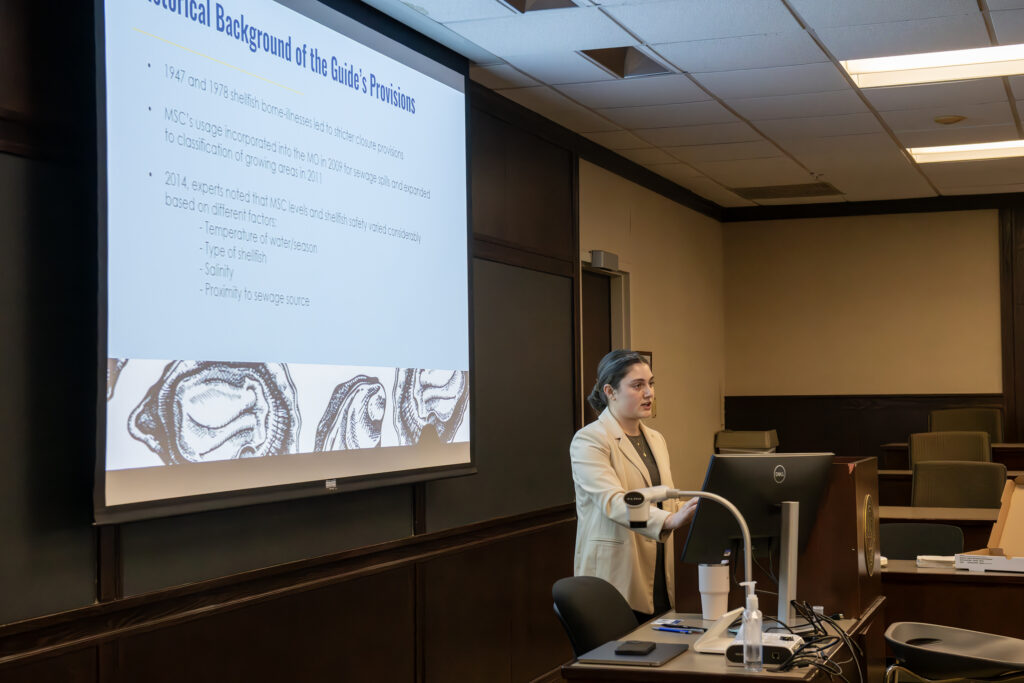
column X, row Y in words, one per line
column 746, row 441
column 989, row 420
column 928, row 446
column 958, row 484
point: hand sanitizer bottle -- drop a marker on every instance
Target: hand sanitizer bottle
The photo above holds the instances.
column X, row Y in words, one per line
column 752, row 655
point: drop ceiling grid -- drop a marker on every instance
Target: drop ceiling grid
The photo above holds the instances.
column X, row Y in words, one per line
column 754, row 57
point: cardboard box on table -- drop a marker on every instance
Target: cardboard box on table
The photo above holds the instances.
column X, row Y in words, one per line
column 1005, row 551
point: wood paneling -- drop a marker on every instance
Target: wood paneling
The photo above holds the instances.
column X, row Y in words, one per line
column 522, row 188
column 73, row 667
column 489, row 612
column 346, row 632
column 854, row 426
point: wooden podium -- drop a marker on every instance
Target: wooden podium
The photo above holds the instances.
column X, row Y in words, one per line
column 839, row 569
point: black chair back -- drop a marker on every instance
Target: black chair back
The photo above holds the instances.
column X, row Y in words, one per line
column 905, row 541
column 592, row 611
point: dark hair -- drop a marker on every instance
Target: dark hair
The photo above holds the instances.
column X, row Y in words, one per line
column 612, row 368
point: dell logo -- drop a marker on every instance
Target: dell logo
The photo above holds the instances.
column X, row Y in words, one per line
column 779, row 474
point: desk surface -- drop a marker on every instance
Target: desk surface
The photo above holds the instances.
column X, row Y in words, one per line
column 910, row 568
column 991, row 602
column 906, row 512
column 690, row 665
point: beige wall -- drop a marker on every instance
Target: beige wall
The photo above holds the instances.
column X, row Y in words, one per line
column 893, row 304
column 674, row 259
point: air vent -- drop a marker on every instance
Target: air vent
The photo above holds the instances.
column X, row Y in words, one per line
column 786, row 191
column 625, row 62
column 524, row 6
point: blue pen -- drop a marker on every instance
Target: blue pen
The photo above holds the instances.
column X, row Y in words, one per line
column 677, row 630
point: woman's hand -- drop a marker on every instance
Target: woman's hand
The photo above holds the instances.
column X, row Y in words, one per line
column 682, row 516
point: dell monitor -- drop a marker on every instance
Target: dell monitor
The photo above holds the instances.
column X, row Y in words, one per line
column 758, row 485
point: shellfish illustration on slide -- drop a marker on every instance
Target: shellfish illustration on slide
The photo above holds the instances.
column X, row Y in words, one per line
column 353, row 416
column 430, row 397
column 114, row 367
column 200, row 411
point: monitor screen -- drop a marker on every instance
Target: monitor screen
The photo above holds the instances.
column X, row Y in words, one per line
column 756, row 484
column 284, row 234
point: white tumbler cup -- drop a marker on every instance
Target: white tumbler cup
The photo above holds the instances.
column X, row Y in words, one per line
column 713, row 584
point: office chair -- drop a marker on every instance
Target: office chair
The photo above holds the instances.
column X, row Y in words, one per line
column 592, row 611
column 927, row 446
column 749, row 441
column 907, row 540
column 958, row 484
column 989, row 420
column 934, row 652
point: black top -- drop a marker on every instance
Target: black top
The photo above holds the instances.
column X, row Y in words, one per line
column 661, row 603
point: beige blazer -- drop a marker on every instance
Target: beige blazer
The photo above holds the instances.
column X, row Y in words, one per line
column 604, row 466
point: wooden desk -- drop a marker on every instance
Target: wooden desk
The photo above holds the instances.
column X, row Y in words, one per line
column 976, row 523
column 895, row 456
column 894, row 486
column 695, row 667
column 981, row 601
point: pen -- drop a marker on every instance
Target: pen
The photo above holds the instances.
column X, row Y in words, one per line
column 678, row 630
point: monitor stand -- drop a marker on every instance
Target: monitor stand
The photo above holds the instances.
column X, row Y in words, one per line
column 788, row 542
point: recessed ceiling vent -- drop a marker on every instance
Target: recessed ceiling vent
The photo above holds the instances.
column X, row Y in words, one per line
column 524, row 6
column 786, row 191
column 625, row 62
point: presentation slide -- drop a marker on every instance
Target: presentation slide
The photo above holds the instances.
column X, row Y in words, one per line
column 286, row 231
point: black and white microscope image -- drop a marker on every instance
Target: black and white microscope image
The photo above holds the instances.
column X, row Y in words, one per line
column 114, row 366
column 201, row 411
column 435, row 397
column 353, row 417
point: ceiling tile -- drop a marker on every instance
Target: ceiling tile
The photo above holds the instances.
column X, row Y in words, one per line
column 537, row 98
column 578, row 119
column 696, row 135
column 559, row 67
column 617, row 139
column 976, row 173
column 802, row 200
column 983, row 189
column 847, row 149
column 825, row 13
column 709, row 189
column 682, row 20
column 666, row 115
column 758, row 149
column 820, row 126
column 755, row 172
column 1009, row 26
column 650, row 155
column 745, row 52
column 576, row 28
column 557, row 107
column 794, row 106
column 675, row 172
column 500, row 76
column 937, row 94
column 1016, row 85
column 906, row 37
column 635, row 92
column 780, row 80
column 953, row 135
column 444, row 11
column 988, row 114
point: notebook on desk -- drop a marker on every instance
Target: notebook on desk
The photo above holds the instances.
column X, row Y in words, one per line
column 605, row 654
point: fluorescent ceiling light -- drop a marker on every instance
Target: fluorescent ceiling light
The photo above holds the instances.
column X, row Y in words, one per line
column 983, row 150
column 932, row 67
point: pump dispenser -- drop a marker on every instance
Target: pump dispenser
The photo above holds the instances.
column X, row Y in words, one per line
column 752, row 655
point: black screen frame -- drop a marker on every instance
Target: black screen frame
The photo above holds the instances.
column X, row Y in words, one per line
column 387, row 27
